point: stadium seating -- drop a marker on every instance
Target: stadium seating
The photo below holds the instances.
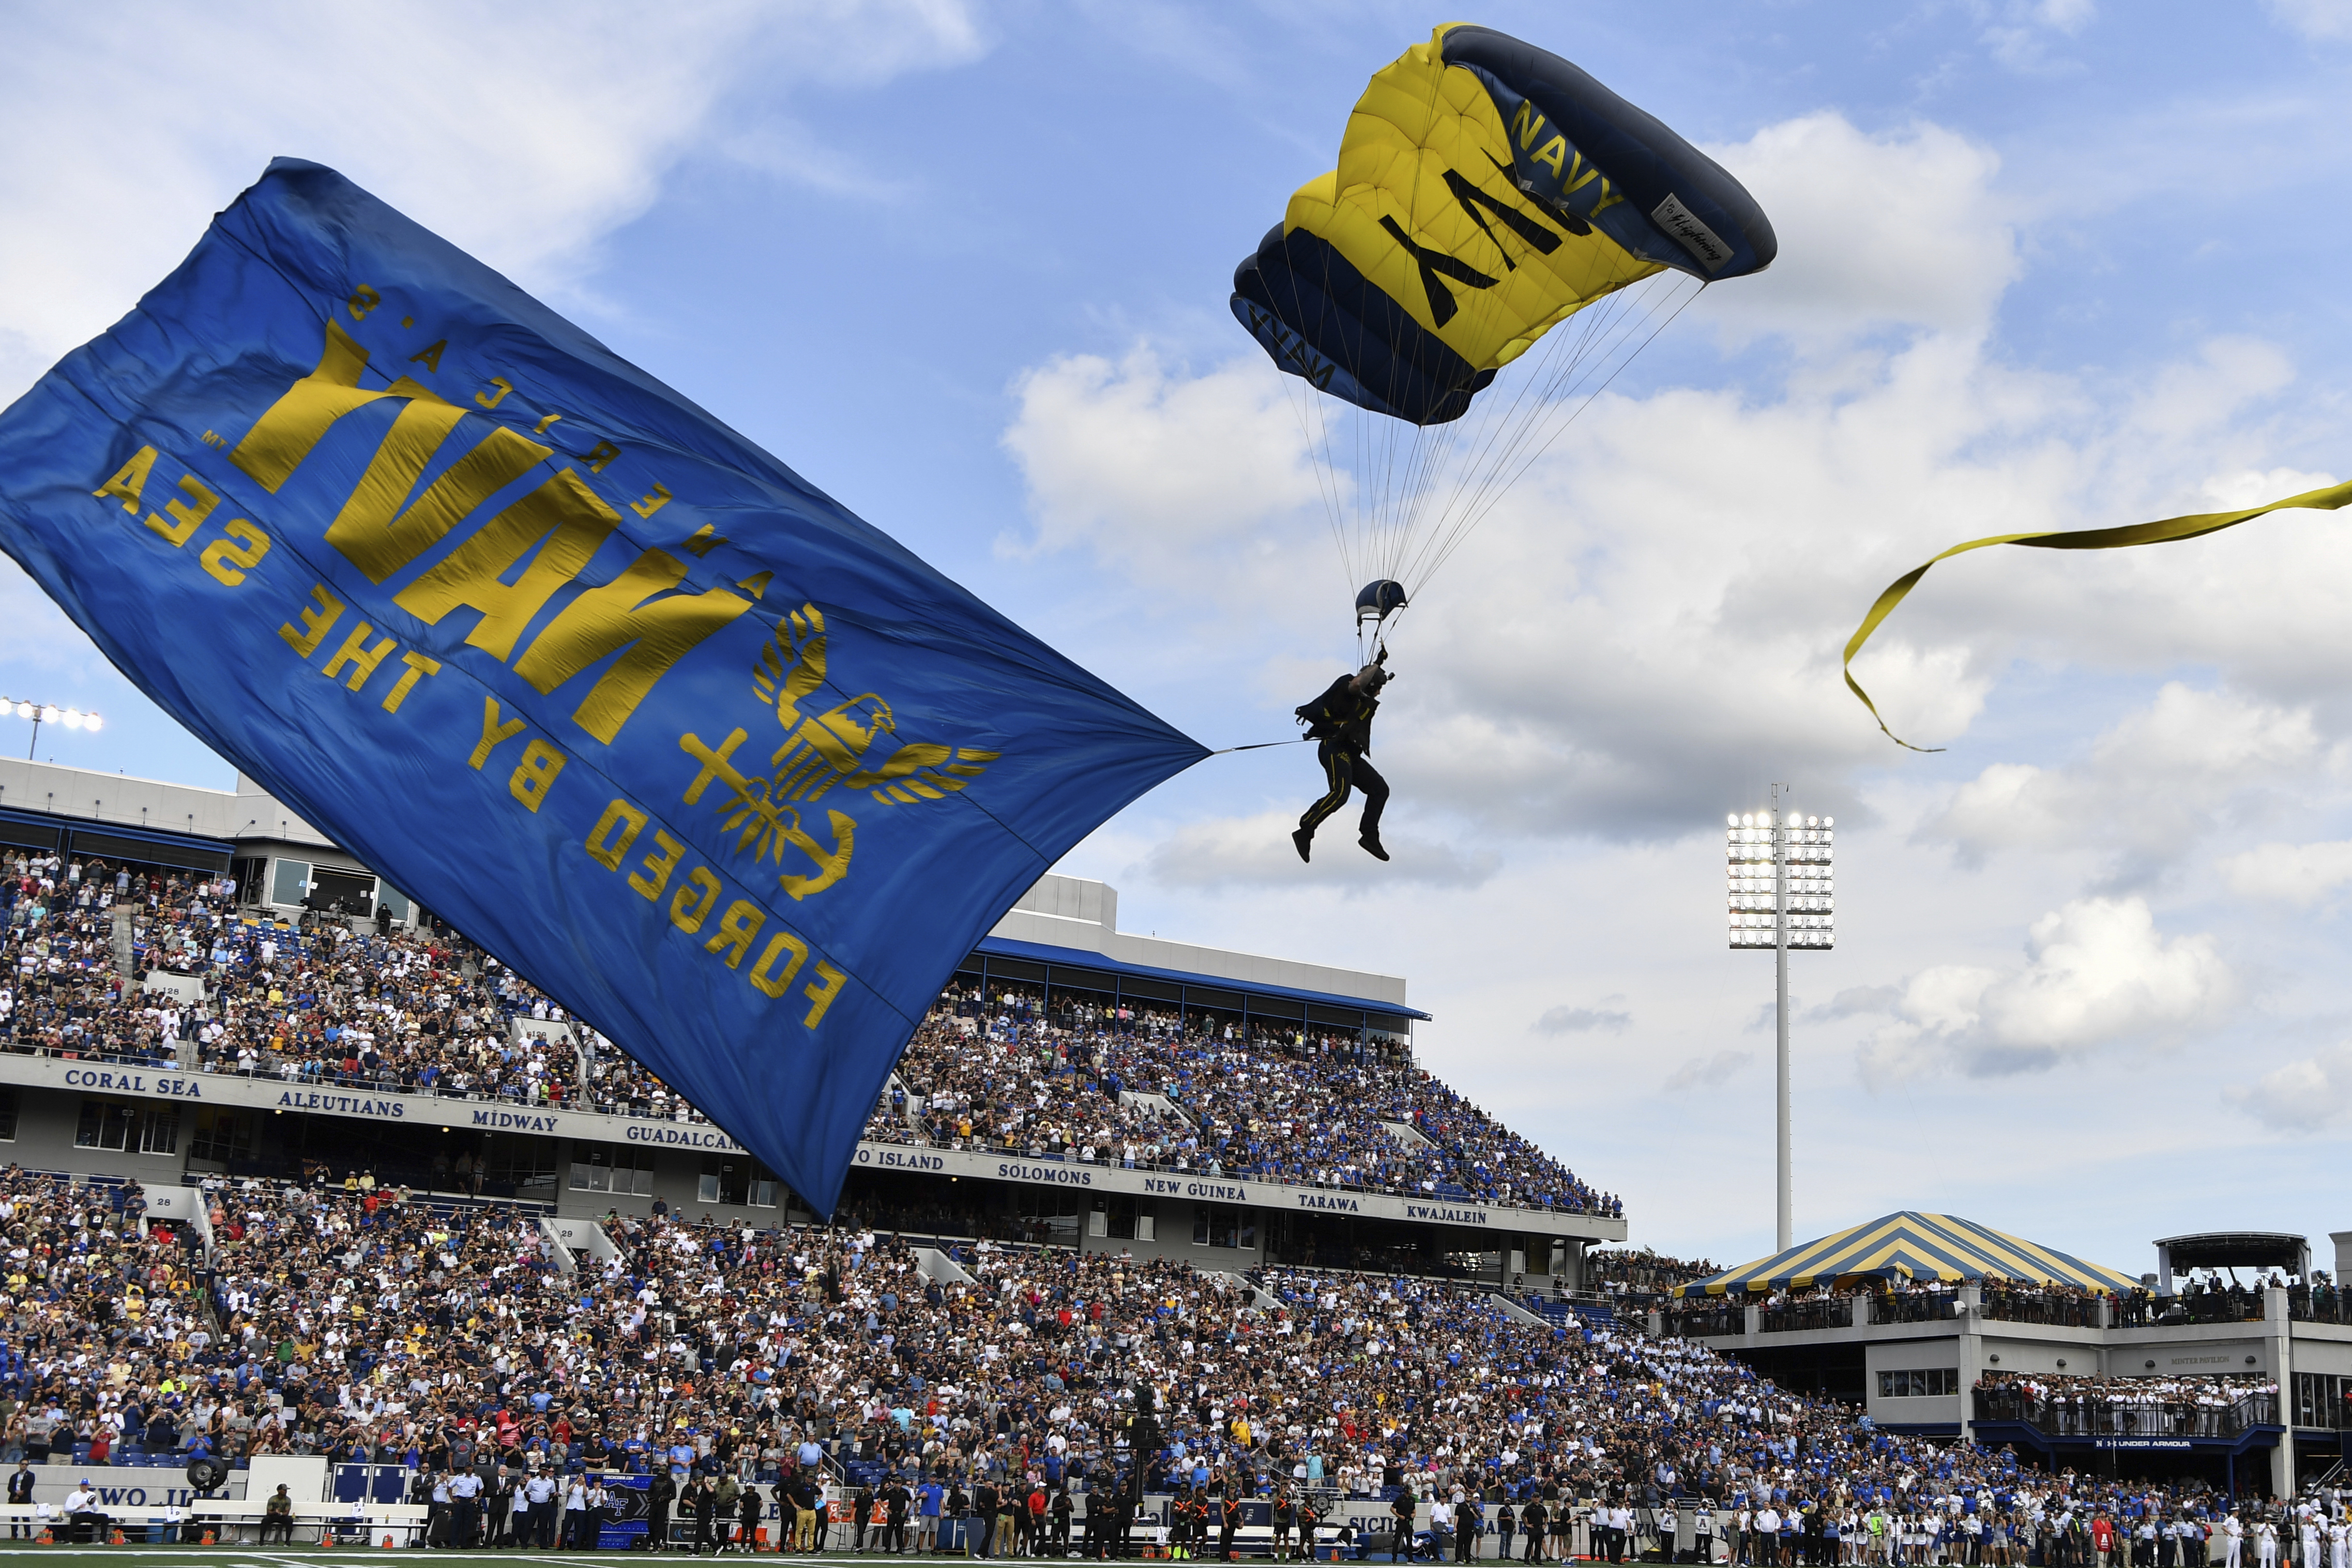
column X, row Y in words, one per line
column 324, row 1005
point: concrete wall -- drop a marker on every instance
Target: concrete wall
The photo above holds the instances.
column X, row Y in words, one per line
column 677, row 1181
column 46, row 1120
column 101, row 797
column 1069, row 911
column 1172, row 1220
column 1908, row 1355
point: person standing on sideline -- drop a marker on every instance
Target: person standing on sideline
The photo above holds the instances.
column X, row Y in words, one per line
column 20, row 1495
column 465, row 1509
column 659, row 1494
column 927, row 1521
column 752, row 1508
column 1400, row 1542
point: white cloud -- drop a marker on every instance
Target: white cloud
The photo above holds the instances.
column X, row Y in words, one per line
column 2314, row 19
column 2307, row 1095
column 1565, row 1019
column 2098, row 972
column 2150, row 789
column 2296, row 874
column 1649, row 618
column 1256, row 851
column 1161, row 472
column 523, row 136
column 1707, row 1072
column 1895, row 229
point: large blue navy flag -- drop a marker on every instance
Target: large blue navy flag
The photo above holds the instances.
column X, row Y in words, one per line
column 721, row 768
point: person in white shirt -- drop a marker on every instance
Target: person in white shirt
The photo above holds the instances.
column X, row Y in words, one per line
column 575, row 1513
column 540, row 1493
column 82, row 1515
column 2235, row 1529
column 2267, row 1544
column 465, row 1509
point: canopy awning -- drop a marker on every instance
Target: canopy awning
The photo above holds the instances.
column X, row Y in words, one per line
column 1912, row 1245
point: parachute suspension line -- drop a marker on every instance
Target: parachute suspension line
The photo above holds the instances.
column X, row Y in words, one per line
column 1565, row 350
column 1561, row 397
column 1299, row 395
column 1536, row 441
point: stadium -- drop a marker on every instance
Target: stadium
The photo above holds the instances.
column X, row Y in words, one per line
column 308, row 1194
column 651, row 575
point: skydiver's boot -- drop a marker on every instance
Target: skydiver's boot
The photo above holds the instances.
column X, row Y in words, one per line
column 1304, row 839
column 1370, row 840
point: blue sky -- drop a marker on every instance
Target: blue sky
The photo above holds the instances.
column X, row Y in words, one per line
column 965, row 265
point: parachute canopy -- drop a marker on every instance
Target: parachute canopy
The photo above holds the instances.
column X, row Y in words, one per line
column 1486, row 191
column 1501, row 236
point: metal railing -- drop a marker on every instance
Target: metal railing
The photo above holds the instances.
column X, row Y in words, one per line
column 1823, row 1312
column 1916, row 1307
column 2051, row 1307
column 1705, row 1323
column 2098, row 1413
column 2314, row 1304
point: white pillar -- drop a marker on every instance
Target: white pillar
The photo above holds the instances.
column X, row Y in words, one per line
column 2280, row 1331
column 1969, row 1320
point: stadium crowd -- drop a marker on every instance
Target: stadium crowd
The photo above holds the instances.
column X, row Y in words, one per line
column 454, row 1337
column 1644, row 1274
column 325, row 1002
column 1137, row 1092
column 364, row 1321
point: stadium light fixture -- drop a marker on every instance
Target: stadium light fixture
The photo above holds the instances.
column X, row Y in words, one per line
column 46, row 713
column 1781, row 894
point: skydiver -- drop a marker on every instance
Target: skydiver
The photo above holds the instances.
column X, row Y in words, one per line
column 1342, row 719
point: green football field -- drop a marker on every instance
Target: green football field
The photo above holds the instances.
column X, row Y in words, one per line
column 21, row 1556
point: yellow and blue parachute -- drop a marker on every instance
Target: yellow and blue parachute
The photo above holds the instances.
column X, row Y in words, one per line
column 1486, row 192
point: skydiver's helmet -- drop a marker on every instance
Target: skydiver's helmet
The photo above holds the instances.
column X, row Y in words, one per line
column 1372, row 677
column 1378, row 600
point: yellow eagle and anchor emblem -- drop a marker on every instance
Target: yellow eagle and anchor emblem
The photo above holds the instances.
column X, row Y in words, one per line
column 821, row 751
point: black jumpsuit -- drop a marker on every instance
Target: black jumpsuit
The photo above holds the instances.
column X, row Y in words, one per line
column 1341, row 718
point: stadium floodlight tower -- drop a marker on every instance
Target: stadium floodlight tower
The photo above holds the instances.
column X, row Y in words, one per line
column 45, row 713
column 1778, row 874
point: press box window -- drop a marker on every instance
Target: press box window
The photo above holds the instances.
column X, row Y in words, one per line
column 736, row 1179
column 1215, row 1225
column 289, row 883
column 119, row 1124
column 222, row 1136
column 1917, row 1384
column 1120, row 1219
column 610, row 1168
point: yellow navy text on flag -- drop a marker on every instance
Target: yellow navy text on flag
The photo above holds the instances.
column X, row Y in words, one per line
column 723, row 769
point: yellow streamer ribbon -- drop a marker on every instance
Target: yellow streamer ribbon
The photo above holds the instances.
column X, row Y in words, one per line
column 2163, row 532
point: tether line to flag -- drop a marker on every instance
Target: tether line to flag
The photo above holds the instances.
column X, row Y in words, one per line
column 2163, row 532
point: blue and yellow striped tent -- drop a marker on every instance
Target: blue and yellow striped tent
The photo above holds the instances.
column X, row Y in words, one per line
column 1911, row 1246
